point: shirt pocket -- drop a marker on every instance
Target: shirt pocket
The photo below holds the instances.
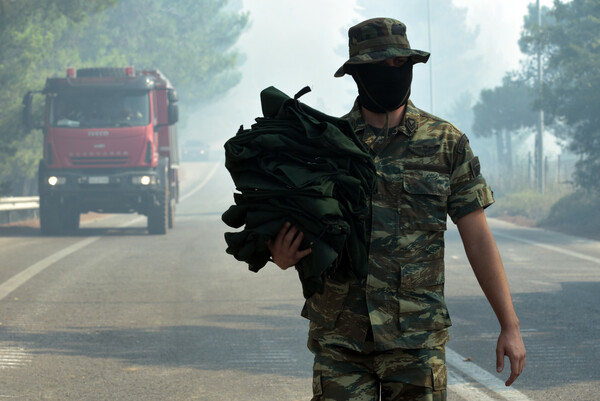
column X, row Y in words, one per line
column 424, row 204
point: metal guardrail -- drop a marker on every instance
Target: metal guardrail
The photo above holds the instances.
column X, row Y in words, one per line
column 16, row 209
column 19, row 203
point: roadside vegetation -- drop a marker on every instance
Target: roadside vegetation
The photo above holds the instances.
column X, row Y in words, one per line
column 563, row 209
column 565, row 47
column 575, row 214
column 527, row 207
column 190, row 41
column 193, row 42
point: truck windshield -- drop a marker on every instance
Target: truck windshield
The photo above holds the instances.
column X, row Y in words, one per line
column 99, row 109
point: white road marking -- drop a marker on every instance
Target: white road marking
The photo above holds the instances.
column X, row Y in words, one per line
column 202, row 183
column 21, row 278
column 13, row 357
column 550, row 248
column 483, row 377
column 465, row 390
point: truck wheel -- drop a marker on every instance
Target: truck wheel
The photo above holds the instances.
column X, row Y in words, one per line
column 158, row 216
column 49, row 216
column 70, row 219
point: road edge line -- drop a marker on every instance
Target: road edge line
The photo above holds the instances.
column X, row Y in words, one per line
column 21, row 278
column 466, row 391
column 198, row 187
column 550, row 247
column 483, row 377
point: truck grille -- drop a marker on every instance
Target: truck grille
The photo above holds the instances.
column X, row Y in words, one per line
column 103, row 160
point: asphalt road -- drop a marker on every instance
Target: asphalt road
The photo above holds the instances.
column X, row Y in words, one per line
column 112, row 313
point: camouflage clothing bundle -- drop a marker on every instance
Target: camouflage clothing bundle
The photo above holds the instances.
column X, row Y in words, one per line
column 299, row 165
column 426, row 171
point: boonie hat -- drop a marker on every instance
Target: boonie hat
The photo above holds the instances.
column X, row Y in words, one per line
column 378, row 39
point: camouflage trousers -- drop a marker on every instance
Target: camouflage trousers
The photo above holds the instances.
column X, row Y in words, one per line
column 341, row 374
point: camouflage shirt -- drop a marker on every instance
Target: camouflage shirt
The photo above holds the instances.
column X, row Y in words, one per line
column 426, row 171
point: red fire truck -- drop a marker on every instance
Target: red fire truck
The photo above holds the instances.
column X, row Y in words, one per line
column 110, row 146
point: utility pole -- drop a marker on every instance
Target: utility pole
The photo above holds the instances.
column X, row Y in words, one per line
column 539, row 138
column 430, row 62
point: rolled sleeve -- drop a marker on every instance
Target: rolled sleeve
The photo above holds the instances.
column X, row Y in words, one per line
column 469, row 190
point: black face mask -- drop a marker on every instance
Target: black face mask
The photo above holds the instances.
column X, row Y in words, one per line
column 382, row 88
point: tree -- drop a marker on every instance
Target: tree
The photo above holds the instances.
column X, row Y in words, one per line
column 452, row 51
column 570, row 42
column 191, row 41
column 28, row 33
column 501, row 112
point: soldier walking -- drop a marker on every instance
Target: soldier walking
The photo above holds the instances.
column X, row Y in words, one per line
column 383, row 336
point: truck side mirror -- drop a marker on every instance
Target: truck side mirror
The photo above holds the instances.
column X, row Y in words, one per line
column 173, row 113
column 27, row 113
column 173, row 97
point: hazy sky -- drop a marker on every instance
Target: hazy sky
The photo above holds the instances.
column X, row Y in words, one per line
column 293, row 43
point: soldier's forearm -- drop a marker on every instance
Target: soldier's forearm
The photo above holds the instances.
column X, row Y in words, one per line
column 486, row 262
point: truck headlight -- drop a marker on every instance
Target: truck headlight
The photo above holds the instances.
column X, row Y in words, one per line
column 54, row 180
column 143, row 179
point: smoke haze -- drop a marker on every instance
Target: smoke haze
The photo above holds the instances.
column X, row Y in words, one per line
column 291, row 44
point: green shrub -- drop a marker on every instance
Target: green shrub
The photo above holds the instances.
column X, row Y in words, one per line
column 576, row 213
column 528, row 204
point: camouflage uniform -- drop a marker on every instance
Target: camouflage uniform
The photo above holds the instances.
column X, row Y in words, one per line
column 390, row 329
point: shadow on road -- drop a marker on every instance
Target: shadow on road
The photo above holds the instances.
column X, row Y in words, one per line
column 559, row 328
column 15, row 231
column 108, row 231
column 252, row 344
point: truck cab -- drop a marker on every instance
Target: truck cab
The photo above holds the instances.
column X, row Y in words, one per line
column 110, row 146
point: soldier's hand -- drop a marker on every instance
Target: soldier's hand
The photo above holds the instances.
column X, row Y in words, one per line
column 510, row 343
column 285, row 246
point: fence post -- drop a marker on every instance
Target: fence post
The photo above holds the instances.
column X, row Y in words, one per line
column 529, row 168
column 545, row 172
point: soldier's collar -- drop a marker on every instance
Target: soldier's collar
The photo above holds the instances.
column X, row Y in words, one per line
column 408, row 126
